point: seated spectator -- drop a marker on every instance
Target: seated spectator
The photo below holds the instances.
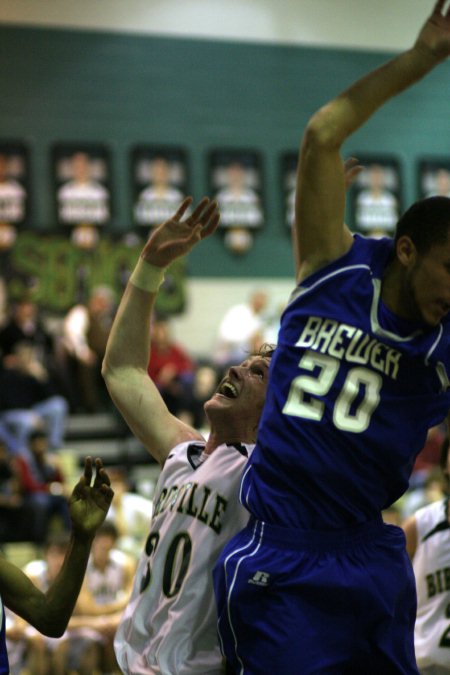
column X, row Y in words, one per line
column 130, row 512
column 14, row 514
column 85, row 333
column 25, row 325
column 241, row 330
column 29, row 651
column 170, row 366
column 28, row 401
column 103, row 597
column 43, row 488
column 86, row 646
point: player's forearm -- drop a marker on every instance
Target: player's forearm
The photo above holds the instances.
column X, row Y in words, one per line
column 129, row 340
column 338, row 119
column 50, row 612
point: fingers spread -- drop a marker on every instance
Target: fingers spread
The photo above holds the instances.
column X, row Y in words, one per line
column 183, row 208
column 88, row 470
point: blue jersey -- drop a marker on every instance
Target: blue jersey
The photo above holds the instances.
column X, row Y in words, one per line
column 4, row 663
column 353, row 390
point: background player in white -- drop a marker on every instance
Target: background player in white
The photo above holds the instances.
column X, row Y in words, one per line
column 170, row 624
column 50, row 612
column 428, row 544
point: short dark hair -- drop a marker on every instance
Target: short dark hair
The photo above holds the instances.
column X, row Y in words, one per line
column 426, row 222
column 108, row 529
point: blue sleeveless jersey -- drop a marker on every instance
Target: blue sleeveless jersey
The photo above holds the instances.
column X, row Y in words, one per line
column 4, row 663
column 353, row 390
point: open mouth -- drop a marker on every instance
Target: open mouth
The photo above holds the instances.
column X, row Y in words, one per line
column 228, row 389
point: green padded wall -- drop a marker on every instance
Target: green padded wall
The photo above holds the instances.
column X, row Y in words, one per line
column 121, row 89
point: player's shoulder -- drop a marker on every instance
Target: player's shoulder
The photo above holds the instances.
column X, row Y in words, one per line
column 431, row 516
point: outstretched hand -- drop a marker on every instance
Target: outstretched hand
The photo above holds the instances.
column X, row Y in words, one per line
column 435, row 34
column 352, row 169
column 88, row 503
column 176, row 237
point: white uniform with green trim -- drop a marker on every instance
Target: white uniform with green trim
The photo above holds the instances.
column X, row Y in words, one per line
column 432, row 570
column 169, row 625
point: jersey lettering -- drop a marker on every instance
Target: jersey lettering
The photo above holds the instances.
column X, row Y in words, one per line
column 193, row 500
column 344, row 342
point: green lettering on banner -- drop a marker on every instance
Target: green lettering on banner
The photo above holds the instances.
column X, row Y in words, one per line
column 57, row 274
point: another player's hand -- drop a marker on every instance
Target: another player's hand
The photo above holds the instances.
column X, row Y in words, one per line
column 435, row 34
column 176, row 237
column 352, row 168
column 88, row 503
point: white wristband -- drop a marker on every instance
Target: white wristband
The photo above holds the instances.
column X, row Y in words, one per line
column 147, row 277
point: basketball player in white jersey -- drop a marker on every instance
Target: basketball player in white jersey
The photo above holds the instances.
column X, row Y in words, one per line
column 169, row 625
column 428, row 543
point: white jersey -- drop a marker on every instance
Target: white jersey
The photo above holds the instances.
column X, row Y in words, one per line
column 107, row 585
column 83, row 203
column 431, row 564
column 153, row 207
column 239, row 210
column 376, row 212
column 12, row 201
column 169, row 625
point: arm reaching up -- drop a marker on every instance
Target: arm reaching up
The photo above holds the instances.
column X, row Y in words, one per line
column 128, row 349
column 320, row 194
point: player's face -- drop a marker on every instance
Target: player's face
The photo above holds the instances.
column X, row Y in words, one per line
column 101, row 548
column 428, row 284
column 243, row 389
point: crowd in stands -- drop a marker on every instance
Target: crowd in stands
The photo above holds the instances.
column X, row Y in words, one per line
column 44, row 378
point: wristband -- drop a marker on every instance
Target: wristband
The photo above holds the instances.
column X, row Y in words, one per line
column 147, row 277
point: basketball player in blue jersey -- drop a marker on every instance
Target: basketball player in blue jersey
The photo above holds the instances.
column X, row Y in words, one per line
column 316, row 583
column 50, row 612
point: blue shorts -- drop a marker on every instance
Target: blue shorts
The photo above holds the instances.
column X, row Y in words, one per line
column 296, row 602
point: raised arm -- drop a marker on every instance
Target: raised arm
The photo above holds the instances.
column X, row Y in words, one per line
column 320, row 194
column 128, row 348
column 50, row 612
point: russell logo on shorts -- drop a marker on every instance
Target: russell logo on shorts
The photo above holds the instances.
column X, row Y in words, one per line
column 260, row 579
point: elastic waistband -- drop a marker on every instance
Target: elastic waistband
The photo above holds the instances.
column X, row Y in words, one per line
column 292, row 538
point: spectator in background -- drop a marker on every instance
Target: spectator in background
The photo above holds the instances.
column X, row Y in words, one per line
column 103, row 597
column 170, row 366
column 49, row 612
column 241, row 329
column 131, row 513
column 28, row 650
column 43, row 486
column 29, row 401
column 428, row 543
column 15, row 517
column 85, row 333
column 86, row 646
column 24, row 325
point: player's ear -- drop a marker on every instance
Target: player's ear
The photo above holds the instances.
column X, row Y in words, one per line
column 406, row 251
